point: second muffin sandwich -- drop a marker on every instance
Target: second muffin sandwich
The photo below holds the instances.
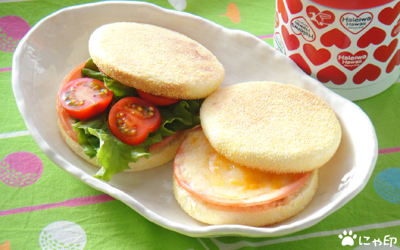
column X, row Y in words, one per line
column 255, row 159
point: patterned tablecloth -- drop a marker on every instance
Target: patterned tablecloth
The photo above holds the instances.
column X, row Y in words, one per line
column 54, row 210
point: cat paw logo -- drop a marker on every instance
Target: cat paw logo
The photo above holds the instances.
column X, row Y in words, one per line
column 347, row 239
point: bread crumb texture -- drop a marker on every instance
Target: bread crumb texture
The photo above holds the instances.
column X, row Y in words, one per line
column 271, row 126
column 156, row 60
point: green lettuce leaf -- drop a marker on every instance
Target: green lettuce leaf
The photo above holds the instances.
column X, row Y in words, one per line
column 120, row 90
column 90, row 143
column 91, row 65
column 180, row 116
column 114, row 156
column 93, row 74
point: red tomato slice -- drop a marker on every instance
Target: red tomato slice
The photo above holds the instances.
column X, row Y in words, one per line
column 131, row 119
column 84, row 98
column 64, row 118
column 66, row 121
column 157, row 100
column 216, row 180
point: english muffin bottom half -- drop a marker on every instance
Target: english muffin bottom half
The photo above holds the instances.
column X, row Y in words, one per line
column 214, row 190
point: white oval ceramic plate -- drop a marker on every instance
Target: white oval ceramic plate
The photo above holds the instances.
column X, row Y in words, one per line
column 59, row 42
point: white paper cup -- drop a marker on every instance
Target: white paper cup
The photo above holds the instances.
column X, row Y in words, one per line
column 351, row 46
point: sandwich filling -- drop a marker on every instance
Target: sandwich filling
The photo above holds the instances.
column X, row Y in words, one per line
column 206, row 174
column 100, row 134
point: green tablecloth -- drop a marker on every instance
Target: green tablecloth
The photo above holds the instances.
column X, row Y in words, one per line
column 54, row 205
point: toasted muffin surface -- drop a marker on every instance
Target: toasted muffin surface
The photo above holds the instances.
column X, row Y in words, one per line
column 156, row 60
column 271, row 126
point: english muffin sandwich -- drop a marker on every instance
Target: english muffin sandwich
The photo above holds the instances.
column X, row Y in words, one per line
column 128, row 107
column 254, row 161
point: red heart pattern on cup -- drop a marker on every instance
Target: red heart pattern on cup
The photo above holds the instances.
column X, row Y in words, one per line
column 276, row 19
column 291, row 40
column 383, row 53
column 395, row 61
column 336, row 37
column 299, row 60
column 389, row 14
column 370, row 72
column 280, row 6
column 295, row 6
column 300, row 26
column 374, row 35
column 341, row 47
column 316, row 56
column 333, row 74
column 396, row 29
column 320, row 19
column 356, row 23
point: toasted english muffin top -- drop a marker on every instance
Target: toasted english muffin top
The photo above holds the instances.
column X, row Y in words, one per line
column 271, row 126
column 156, row 60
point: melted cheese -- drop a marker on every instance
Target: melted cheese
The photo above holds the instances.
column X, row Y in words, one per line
column 208, row 173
